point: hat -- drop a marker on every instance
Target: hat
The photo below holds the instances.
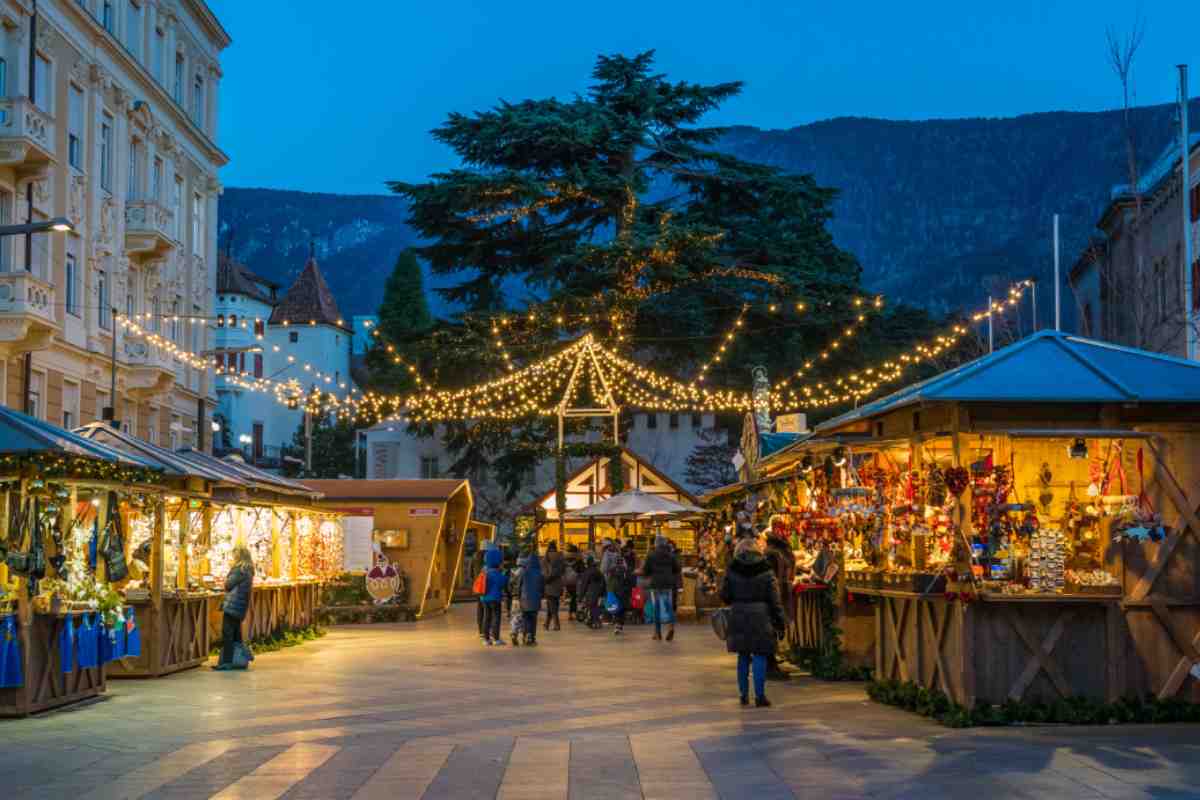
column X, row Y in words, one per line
column 552, row 546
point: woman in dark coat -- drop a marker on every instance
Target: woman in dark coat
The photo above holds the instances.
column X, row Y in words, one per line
column 663, row 569
column 238, row 585
column 756, row 621
column 554, row 568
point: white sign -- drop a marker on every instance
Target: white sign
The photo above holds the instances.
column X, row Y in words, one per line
column 791, row 423
column 357, row 551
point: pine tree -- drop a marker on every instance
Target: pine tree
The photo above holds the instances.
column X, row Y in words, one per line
column 403, row 318
column 332, row 449
column 710, row 463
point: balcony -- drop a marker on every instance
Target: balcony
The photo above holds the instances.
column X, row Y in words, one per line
column 27, row 319
column 149, row 229
column 26, row 133
column 151, row 370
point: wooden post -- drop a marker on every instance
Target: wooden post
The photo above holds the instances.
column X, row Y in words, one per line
column 294, row 544
column 4, row 527
column 276, row 546
column 206, row 536
column 101, row 525
column 157, row 542
column 185, row 527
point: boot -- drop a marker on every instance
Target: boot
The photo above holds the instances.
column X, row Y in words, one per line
column 762, row 702
column 516, row 642
column 557, row 624
column 671, row 632
column 657, row 637
column 745, row 700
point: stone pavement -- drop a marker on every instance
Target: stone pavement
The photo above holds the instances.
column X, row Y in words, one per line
column 425, row 711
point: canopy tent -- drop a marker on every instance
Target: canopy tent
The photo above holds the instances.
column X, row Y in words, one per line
column 21, row 434
column 633, row 504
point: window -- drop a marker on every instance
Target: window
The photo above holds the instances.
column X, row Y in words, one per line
column 133, row 29
column 157, row 47
column 70, row 411
column 43, row 89
column 177, row 208
column 198, row 224
column 673, row 421
column 156, row 176
column 429, row 467
column 198, row 100
column 293, row 337
column 197, row 331
column 1196, row 285
column 175, row 321
column 102, row 295
column 652, row 421
column 106, row 154
column 176, row 426
column 258, row 365
column 131, row 295
column 108, row 16
column 75, row 126
column 233, row 320
column 178, row 89
column 152, row 429
column 155, row 314
column 256, row 435
column 697, row 421
column 72, row 288
column 6, row 242
column 135, row 170
column 33, row 403
column 3, row 87
column 1194, row 203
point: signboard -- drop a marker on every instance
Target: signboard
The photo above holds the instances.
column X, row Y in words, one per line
column 424, row 511
column 791, row 423
column 357, row 552
column 383, row 580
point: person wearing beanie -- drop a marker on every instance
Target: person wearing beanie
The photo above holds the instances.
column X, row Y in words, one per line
column 756, row 620
column 663, row 569
column 495, row 584
column 529, row 589
column 591, row 590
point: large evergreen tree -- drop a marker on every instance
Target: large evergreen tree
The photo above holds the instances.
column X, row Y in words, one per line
column 403, row 318
column 617, row 205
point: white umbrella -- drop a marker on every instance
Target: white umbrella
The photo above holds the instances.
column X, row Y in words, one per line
column 634, row 503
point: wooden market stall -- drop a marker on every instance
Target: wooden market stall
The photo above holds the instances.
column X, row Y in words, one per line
column 171, row 602
column 1027, row 522
column 419, row 527
column 478, row 534
column 296, row 544
column 65, row 545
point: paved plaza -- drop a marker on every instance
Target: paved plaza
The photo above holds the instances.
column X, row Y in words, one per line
column 424, row 711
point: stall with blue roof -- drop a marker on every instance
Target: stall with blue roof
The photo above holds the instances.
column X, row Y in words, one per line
column 63, row 547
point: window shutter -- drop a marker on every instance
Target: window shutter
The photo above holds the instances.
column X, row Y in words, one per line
column 241, row 362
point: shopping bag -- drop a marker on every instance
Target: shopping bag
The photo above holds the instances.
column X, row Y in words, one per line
column 241, row 656
column 649, row 612
column 480, row 584
column 720, row 623
column 11, row 669
column 66, row 645
column 612, row 603
column 637, row 598
column 133, row 635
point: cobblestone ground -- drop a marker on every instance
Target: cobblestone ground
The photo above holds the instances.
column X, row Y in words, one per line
column 425, row 711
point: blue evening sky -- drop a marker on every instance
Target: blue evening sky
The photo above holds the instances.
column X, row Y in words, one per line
column 340, row 97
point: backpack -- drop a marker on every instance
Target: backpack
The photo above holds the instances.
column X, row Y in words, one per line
column 480, row 585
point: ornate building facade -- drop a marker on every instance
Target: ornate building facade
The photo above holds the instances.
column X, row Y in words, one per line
column 108, row 117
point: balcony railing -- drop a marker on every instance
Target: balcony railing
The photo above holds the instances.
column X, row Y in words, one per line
column 26, row 132
column 151, row 369
column 27, row 319
column 149, row 228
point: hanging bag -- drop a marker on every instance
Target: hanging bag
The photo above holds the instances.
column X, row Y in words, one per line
column 133, row 635
column 114, row 542
column 479, row 587
column 720, row 623
column 11, row 670
column 612, row 603
column 19, row 558
column 241, row 656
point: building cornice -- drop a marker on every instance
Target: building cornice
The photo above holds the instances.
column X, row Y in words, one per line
column 208, row 20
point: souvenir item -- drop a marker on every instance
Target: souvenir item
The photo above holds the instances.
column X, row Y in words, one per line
column 66, row 645
column 11, row 670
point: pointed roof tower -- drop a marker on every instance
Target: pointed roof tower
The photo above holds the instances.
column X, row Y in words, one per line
column 309, row 300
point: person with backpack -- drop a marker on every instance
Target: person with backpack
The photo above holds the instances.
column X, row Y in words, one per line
column 494, row 584
column 616, row 574
column 555, row 569
column 663, row 569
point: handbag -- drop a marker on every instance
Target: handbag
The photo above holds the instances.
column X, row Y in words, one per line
column 570, row 578
column 720, row 623
column 117, row 568
column 241, row 656
column 612, row 603
column 19, row 558
column 11, row 669
column 480, row 585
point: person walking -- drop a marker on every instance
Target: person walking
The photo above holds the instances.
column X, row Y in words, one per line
column 477, row 566
column 495, row 584
column 554, row 570
column 239, row 584
column 591, row 590
column 663, row 569
column 616, row 572
column 571, row 578
column 777, row 552
column 756, row 621
column 529, row 589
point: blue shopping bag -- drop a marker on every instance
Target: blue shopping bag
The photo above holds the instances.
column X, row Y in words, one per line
column 612, row 603
column 11, row 669
column 86, row 643
column 648, row 613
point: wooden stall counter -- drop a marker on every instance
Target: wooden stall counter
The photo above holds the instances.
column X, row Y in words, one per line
column 274, row 607
column 46, row 685
column 1020, row 647
column 175, row 636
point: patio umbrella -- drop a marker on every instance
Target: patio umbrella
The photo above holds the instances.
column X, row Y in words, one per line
column 634, row 503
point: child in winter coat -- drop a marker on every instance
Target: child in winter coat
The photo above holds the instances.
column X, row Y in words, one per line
column 591, row 590
column 494, row 590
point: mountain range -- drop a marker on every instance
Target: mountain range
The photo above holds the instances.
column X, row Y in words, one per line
column 938, row 212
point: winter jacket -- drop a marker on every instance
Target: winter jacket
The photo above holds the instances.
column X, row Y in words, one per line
column 238, row 585
column 554, row 568
column 662, row 568
column 783, row 563
column 756, row 619
column 496, row 581
column 529, row 586
column 615, row 571
column 591, row 584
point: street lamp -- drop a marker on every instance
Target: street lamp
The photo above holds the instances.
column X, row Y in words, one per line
column 56, row 225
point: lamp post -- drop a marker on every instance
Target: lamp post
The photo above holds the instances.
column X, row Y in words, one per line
column 246, row 440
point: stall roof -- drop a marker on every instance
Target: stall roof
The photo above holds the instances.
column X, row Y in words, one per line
column 242, row 474
column 1049, row 367
column 23, row 434
column 166, row 460
column 397, row 490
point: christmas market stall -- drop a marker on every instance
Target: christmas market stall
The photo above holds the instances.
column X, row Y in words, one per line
column 296, row 544
column 65, row 545
column 1024, row 522
column 419, row 530
column 169, row 594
